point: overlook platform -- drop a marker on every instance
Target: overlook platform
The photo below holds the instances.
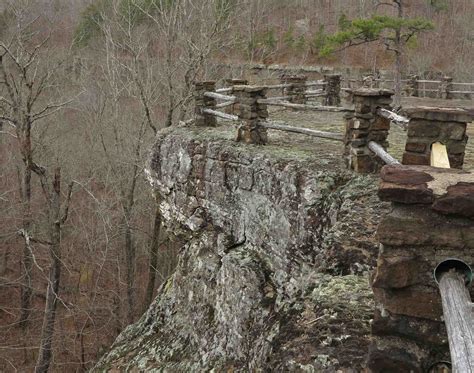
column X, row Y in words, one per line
column 279, row 242
column 274, row 274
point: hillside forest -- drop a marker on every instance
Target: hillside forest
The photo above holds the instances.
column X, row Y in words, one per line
column 86, row 85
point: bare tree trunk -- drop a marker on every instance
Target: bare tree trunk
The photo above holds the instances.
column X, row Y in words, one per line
column 398, row 80
column 27, row 262
column 398, row 59
column 154, row 246
column 130, row 267
column 47, row 332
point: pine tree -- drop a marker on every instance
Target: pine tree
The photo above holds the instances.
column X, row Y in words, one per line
column 393, row 31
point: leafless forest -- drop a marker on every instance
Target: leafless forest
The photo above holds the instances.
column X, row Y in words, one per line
column 85, row 85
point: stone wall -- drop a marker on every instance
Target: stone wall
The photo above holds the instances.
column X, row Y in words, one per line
column 430, row 125
column 432, row 220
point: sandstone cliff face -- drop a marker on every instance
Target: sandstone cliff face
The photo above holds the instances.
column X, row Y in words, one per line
column 273, row 276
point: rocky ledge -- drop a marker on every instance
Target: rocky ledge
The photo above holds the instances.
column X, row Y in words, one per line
column 274, row 272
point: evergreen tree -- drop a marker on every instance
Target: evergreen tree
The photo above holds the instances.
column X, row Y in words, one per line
column 393, row 31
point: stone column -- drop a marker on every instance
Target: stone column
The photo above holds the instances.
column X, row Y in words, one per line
column 333, row 89
column 446, row 87
column 412, row 86
column 430, row 125
column 251, row 113
column 234, row 108
column 297, row 89
column 202, row 102
column 365, row 125
column 432, row 220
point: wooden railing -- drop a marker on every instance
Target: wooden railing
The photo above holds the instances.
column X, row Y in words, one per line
column 415, row 87
column 252, row 107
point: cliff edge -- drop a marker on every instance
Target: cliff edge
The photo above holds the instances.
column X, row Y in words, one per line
column 274, row 272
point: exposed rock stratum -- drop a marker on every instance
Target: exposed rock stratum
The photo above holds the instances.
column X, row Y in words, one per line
column 273, row 275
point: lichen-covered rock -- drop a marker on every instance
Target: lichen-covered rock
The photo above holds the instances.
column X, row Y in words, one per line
column 273, row 276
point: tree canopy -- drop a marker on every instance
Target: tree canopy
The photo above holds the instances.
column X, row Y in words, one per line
column 378, row 27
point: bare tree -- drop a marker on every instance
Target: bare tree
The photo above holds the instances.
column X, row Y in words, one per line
column 24, row 83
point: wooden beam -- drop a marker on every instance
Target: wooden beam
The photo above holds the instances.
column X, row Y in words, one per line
column 381, row 153
column 439, row 156
column 459, row 319
column 303, row 106
column 394, row 117
column 225, row 104
column 219, row 96
column 224, row 90
column 221, row 115
column 305, row 131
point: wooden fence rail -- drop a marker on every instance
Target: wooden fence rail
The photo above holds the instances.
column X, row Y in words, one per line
column 221, row 115
column 415, row 87
column 290, row 105
column 395, row 118
column 382, row 153
column 306, row 131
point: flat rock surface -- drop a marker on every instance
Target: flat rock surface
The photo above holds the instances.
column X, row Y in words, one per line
column 447, row 191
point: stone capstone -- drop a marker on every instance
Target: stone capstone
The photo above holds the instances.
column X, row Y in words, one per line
column 431, row 220
column 447, row 191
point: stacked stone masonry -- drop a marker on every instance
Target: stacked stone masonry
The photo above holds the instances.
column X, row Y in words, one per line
column 432, row 220
column 446, row 87
column 365, row 125
column 202, row 102
column 251, row 113
column 297, row 89
column 431, row 125
column 412, row 86
column 333, row 89
column 234, row 108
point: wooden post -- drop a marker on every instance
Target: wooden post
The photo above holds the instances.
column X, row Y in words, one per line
column 439, row 156
column 202, row 102
column 459, row 318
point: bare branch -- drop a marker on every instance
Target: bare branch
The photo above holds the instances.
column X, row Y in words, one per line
column 49, row 110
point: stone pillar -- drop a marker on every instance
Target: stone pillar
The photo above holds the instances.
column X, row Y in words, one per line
column 234, row 108
column 446, row 87
column 365, row 125
column 412, row 86
column 432, row 220
column 251, row 113
column 297, row 89
column 430, row 125
column 333, row 89
column 202, row 102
